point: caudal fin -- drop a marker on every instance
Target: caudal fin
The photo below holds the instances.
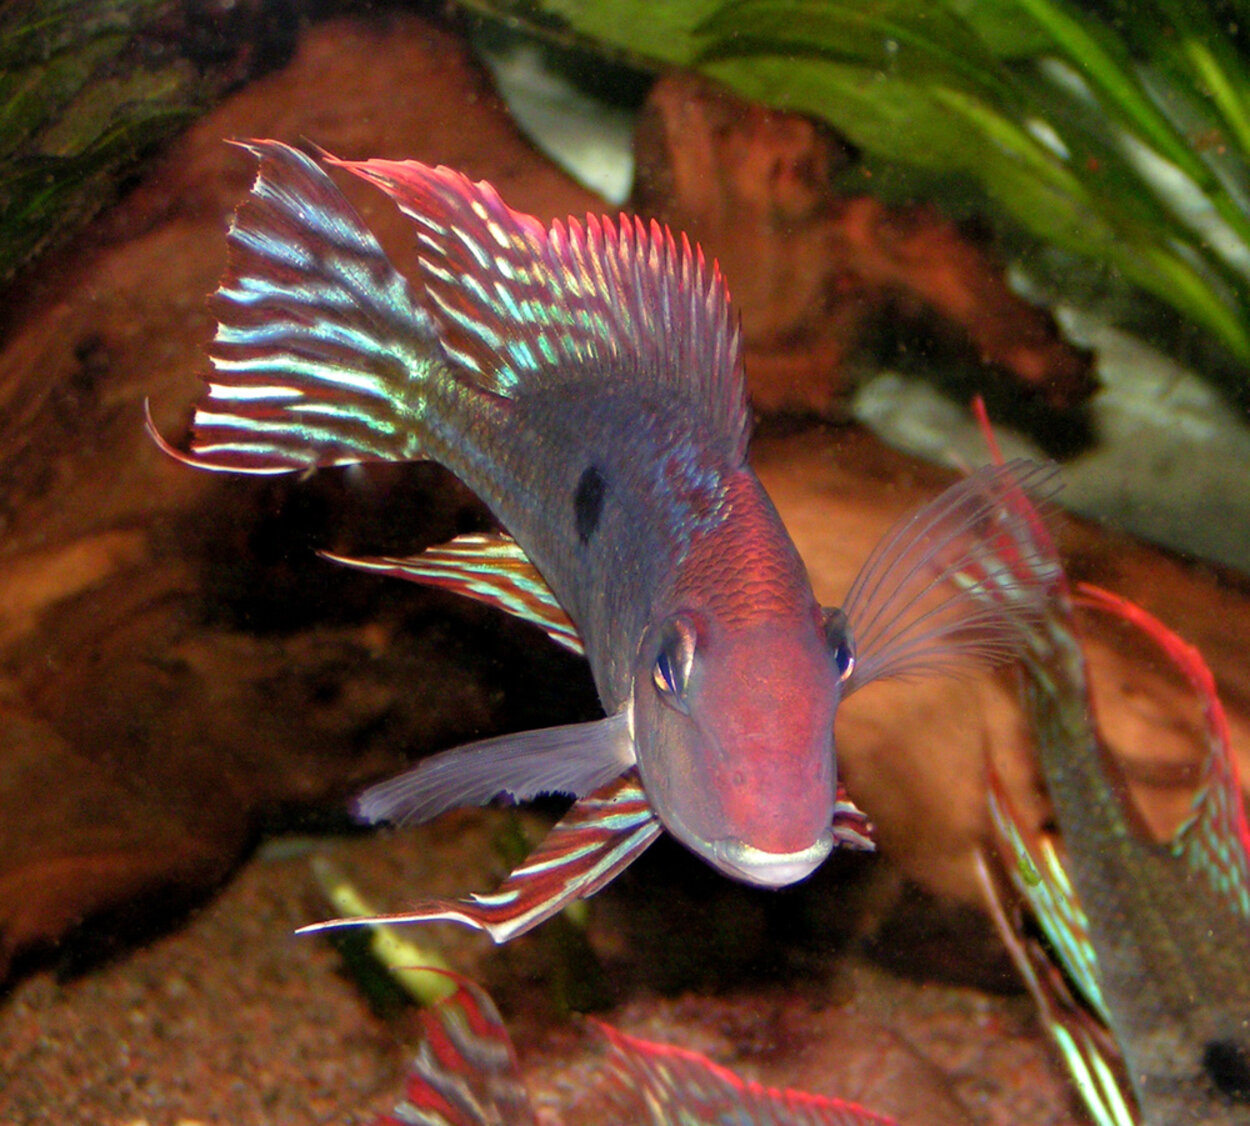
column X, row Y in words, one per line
column 320, row 350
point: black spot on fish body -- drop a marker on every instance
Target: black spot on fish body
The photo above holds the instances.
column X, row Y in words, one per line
column 1227, row 1062
column 588, row 502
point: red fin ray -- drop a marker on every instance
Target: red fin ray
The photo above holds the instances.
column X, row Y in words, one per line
column 516, row 301
column 1215, row 840
column 957, row 582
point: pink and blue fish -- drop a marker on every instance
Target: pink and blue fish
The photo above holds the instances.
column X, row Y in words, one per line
column 466, row 1074
column 1144, row 978
column 585, row 379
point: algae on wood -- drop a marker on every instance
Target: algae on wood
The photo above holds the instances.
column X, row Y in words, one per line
column 87, row 88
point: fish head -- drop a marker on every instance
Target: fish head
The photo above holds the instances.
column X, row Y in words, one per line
column 733, row 732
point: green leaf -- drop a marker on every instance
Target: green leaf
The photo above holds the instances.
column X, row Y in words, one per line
column 895, row 38
column 1087, row 134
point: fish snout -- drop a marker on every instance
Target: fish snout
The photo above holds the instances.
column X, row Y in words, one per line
column 770, row 869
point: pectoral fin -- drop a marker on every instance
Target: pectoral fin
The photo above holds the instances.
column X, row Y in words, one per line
column 574, row 759
column 488, row 567
column 959, row 582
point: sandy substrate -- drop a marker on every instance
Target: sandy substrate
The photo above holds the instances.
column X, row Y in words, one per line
column 232, row 1019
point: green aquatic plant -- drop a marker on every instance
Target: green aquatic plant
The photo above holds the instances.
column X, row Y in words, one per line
column 1116, row 132
column 89, row 87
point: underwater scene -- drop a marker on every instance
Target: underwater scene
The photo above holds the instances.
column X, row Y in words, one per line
column 460, row 462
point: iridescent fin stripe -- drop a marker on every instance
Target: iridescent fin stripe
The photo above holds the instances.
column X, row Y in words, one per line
column 1088, row 1050
column 1214, row 840
column 319, row 348
column 488, row 567
column 662, row 1085
column 1032, row 879
column 465, row 1072
column 517, row 302
column 851, row 827
column 1038, row 875
column 600, row 836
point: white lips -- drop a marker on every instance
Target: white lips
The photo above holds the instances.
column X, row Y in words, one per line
column 769, row 869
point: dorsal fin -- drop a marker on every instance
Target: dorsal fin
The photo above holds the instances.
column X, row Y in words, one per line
column 516, row 301
column 1214, row 841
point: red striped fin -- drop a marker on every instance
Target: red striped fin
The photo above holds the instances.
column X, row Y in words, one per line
column 488, row 567
column 662, row 1085
column 517, row 302
column 465, row 1073
column 600, row 836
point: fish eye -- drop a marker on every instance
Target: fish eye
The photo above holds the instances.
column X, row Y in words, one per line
column 667, row 678
column 671, row 670
column 838, row 638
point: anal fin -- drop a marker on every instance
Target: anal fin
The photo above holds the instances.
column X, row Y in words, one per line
column 601, row 835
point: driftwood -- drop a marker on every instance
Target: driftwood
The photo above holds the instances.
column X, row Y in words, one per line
column 178, row 671
column 818, row 275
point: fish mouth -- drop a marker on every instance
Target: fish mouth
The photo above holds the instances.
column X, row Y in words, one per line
column 768, row 869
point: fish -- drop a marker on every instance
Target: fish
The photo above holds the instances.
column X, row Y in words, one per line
column 465, row 1073
column 1143, row 979
column 585, row 380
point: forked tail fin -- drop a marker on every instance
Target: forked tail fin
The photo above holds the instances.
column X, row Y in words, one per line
column 320, row 350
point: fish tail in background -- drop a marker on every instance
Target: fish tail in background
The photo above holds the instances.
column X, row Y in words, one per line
column 321, row 356
column 662, row 1085
column 465, row 1073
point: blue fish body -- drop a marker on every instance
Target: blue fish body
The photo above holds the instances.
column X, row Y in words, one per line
column 585, row 380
